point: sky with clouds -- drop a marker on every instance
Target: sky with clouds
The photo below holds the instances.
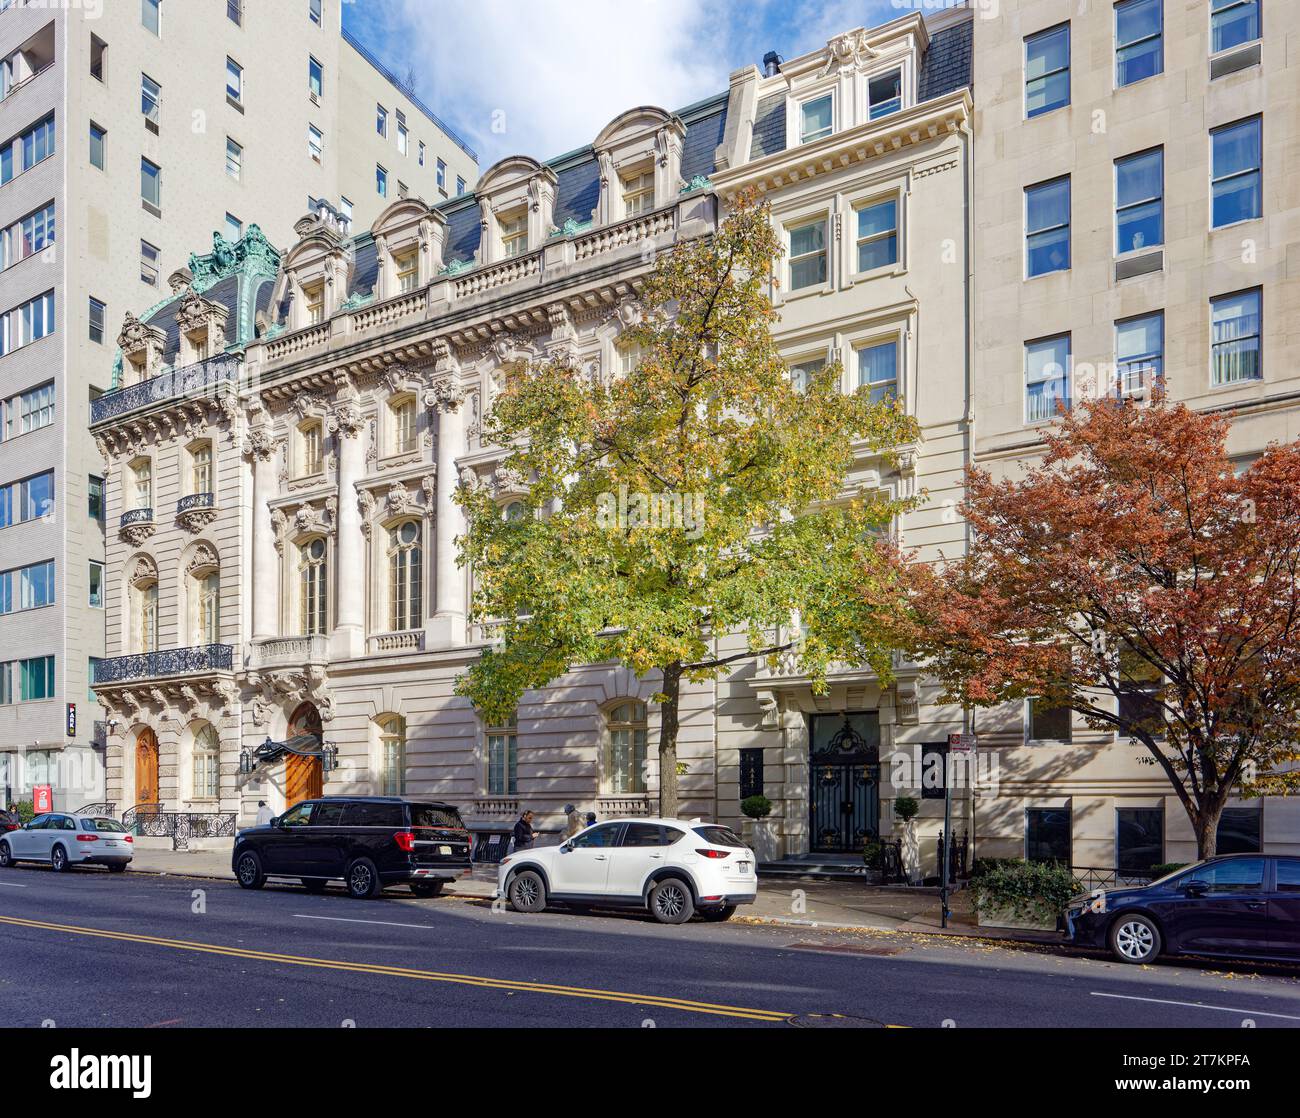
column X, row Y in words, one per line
column 542, row 77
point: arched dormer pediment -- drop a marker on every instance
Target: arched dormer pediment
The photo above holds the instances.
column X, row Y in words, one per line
column 639, row 153
column 409, row 241
column 516, row 198
column 315, row 274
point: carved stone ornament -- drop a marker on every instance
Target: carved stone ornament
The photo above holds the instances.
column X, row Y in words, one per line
column 445, row 394
column 308, row 403
column 629, row 312
column 507, row 480
column 280, row 526
column 203, row 558
column 849, row 49
column 345, row 420
column 137, row 532
column 366, row 506
column 259, row 443
column 469, row 478
column 143, row 571
column 507, row 348
column 401, row 501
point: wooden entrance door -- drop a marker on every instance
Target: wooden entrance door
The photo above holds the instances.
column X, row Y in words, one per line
column 146, row 767
column 302, row 775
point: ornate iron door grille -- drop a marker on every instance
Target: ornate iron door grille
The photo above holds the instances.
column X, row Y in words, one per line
column 844, row 792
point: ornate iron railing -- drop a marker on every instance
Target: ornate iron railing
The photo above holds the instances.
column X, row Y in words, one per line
column 105, row 807
column 139, row 814
column 137, row 516
column 1099, row 877
column 958, row 855
column 171, row 661
column 196, row 381
column 196, row 501
column 150, row 821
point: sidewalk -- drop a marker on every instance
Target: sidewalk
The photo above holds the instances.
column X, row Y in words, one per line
column 794, row 902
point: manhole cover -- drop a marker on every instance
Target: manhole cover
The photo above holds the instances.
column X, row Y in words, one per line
column 833, row 1021
column 845, row 948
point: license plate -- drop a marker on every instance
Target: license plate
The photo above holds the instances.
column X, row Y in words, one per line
column 744, row 867
column 444, row 850
column 110, row 843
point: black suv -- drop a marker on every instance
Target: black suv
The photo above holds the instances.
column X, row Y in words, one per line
column 367, row 842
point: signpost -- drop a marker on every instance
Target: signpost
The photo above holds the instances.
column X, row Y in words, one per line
column 963, row 744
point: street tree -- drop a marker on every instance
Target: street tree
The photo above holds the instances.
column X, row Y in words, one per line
column 693, row 494
column 1139, row 577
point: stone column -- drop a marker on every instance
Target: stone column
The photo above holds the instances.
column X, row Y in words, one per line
column 447, row 626
column 260, row 446
column 349, row 635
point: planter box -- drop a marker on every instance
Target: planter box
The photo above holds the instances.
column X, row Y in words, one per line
column 1002, row 918
column 763, row 838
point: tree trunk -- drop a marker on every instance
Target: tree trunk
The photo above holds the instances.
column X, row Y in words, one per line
column 668, row 723
column 1206, row 826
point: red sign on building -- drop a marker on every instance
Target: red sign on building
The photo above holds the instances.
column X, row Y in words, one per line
column 42, row 798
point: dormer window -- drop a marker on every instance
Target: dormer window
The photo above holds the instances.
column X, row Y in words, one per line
column 315, row 296
column 514, row 235
column 638, row 193
column 408, row 270
column 885, row 94
column 816, row 118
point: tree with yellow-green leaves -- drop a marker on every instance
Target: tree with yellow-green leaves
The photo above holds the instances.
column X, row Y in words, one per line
column 697, row 494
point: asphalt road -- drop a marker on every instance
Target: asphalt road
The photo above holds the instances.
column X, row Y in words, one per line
column 89, row 950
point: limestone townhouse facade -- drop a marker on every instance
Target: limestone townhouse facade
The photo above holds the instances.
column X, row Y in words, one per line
column 130, row 132
column 284, row 451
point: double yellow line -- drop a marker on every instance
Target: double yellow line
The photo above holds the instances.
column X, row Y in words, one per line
column 650, row 1000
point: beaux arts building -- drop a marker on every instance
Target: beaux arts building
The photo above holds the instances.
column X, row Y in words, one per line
column 284, row 449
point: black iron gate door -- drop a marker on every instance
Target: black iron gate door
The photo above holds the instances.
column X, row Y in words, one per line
column 844, row 788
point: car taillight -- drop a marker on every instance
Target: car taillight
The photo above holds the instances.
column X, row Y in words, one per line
column 713, row 853
column 129, row 838
column 87, row 838
column 405, row 841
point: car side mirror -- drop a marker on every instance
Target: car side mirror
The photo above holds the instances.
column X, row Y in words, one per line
column 566, row 847
column 277, row 821
column 1196, row 888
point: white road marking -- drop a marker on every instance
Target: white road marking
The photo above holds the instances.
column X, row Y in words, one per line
column 1197, row 1005
column 11, row 885
column 350, row 920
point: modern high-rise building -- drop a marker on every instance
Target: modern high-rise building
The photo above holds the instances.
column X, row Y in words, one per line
column 133, row 132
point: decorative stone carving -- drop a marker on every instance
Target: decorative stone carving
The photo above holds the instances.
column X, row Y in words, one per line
column 445, row 395
column 629, row 312
column 507, row 480
column 469, row 478
column 203, row 557
column 345, row 420
column 849, row 49
column 429, row 486
column 401, row 501
column 280, row 526
column 366, row 506
column 259, row 443
column 143, row 571
column 308, row 403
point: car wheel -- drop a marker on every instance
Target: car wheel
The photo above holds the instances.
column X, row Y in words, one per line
column 527, row 892
column 117, row 867
column 717, row 915
column 249, row 871
column 59, row 860
column 670, row 901
column 314, row 884
column 363, row 879
column 1134, row 938
column 6, row 856
column 427, row 888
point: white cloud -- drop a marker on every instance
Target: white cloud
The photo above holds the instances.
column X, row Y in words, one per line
column 543, row 77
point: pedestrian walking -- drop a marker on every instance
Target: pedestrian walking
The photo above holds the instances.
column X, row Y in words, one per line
column 573, row 821
column 524, row 832
column 264, row 814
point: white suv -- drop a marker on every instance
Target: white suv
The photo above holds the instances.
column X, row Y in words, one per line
column 673, row 867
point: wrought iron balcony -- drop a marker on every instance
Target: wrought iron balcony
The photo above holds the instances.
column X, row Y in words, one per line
column 137, row 516
column 167, row 662
column 196, row 501
column 194, row 382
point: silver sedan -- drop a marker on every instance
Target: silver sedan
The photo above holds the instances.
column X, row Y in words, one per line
column 63, row 841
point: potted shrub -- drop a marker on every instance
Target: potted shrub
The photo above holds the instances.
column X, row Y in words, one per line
column 906, row 809
column 760, row 831
column 1016, row 894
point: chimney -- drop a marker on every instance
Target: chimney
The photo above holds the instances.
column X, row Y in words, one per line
column 771, row 64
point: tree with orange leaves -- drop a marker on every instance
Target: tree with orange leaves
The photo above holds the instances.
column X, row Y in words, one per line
column 1136, row 576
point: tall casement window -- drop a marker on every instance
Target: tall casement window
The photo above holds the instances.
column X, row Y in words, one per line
column 381, row 120
column 1235, row 337
column 95, row 585
column 142, row 484
column 97, row 314
column 150, row 100
column 626, row 724
column 381, row 181
column 1047, row 378
column 311, row 453
column 405, row 564
column 503, row 758
column 312, row 587
column 150, row 255
column 802, row 372
column 877, row 240
column 391, row 778
column 314, row 294
column 1047, row 227
column 315, row 77
column 878, row 370
column 315, row 143
column 234, row 159
column 408, row 270
column 808, row 254
column 816, row 118
column 404, row 418
column 1140, row 353
column 234, row 82
column 201, row 468
column 514, row 235
column 639, row 193
column 885, row 94
column 1139, row 40
column 1047, row 70
column 205, row 607
column 314, row 11
column 1237, row 174
column 1140, row 201
column 206, row 775
column 1232, row 23
column 146, row 617
column 150, row 185
column 98, row 145
column 1047, row 835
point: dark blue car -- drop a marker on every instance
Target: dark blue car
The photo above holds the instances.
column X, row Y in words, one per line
column 1238, row 905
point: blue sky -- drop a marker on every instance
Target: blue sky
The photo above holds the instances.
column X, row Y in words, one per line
column 541, row 77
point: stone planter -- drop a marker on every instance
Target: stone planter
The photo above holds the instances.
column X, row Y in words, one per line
column 910, row 846
column 1003, row 918
column 763, row 838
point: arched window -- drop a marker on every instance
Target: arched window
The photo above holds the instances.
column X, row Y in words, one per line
column 513, row 511
column 207, row 764
column 312, row 587
column 503, row 758
column 627, row 737
column 391, row 778
column 146, row 616
column 405, row 562
column 405, row 435
column 205, row 607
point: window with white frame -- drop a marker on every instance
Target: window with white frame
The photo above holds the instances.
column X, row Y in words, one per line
column 150, row 185
column 29, row 411
column 816, row 118
column 408, row 270
column 391, row 778
column 234, row 228
column 95, row 585
column 1139, row 40
column 1047, row 378
column 877, row 235
column 1236, row 172
column 315, row 143
column 1139, row 353
column 315, row 77
column 403, row 136
column 878, row 369
column 381, row 180
column 150, row 255
column 1236, row 337
column 201, row 468
column 151, row 16
column 808, row 254
column 884, row 94
column 626, row 761
column 405, row 415
column 311, row 449
column 146, row 617
column 234, row 81
column 314, row 294
column 205, row 607
column 405, row 565
column 150, row 99
column 638, row 193
column 206, row 771
column 22, row 152
column 441, row 173
column 514, row 235
column 313, row 588
column 503, row 758
column 234, row 159
column 27, row 323
column 27, row 236
column 381, row 120
column 142, row 484
column 1233, row 23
